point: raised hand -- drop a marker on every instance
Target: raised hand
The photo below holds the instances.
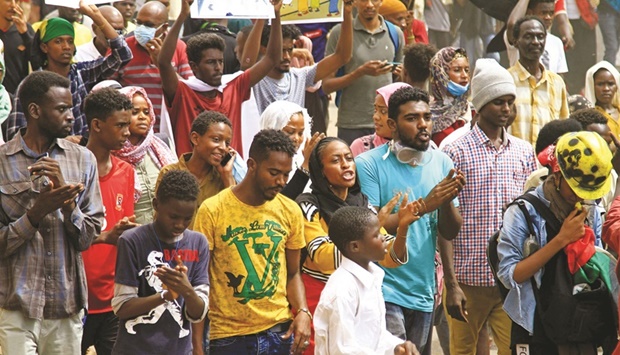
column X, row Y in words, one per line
column 277, row 5
column 573, row 226
column 185, row 7
column 309, row 147
column 386, row 210
column 19, row 20
column 408, row 213
column 154, row 47
column 445, row 191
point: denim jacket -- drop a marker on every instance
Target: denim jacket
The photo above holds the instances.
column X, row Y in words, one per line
column 520, row 304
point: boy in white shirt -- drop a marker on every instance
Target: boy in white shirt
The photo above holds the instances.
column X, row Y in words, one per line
column 350, row 316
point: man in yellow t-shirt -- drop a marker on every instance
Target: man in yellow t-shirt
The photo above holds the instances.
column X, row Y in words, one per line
column 255, row 236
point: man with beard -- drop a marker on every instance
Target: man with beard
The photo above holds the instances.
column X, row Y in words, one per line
column 286, row 83
column 50, row 212
column 408, row 166
column 186, row 99
column 541, row 94
column 258, row 301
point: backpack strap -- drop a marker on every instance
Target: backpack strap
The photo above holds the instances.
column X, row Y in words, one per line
column 545, row 213
column 393, row 36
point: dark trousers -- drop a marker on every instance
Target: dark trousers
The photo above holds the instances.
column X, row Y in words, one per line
column 317, row 105
column 580, row 58
column 100, row 330
column 269, row 342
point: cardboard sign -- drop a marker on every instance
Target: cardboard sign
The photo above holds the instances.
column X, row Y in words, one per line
column 232, row 9
column 75, row 4
column 309, row 11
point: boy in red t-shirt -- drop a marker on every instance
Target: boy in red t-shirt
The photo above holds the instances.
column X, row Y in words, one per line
column 108, row 113
column 188, row 98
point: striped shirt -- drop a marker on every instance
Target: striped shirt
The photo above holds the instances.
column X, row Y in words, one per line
column 41, row 269
column 537, row 102
column 494, row 178
column 83, row 76
column 140, row 71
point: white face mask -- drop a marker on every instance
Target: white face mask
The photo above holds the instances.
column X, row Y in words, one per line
column 144, row 34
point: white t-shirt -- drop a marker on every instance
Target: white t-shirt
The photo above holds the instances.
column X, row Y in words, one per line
column 292, row 87
column 553, row 45
column 87, row 52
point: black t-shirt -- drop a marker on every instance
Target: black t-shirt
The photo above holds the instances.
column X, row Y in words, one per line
column 164, row 330
column 16, row 56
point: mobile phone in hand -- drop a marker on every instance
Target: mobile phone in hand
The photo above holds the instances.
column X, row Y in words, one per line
column 394, row 65
column 226, row 159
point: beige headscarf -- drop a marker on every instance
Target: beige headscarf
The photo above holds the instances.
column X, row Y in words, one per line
column 589, row 89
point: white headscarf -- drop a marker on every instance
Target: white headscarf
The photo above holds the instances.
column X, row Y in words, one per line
column 278, row 114
column 589, row 89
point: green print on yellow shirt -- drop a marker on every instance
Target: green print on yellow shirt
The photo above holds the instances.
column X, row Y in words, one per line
column 254, row 285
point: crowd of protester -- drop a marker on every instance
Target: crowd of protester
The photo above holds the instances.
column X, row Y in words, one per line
column 168, row 185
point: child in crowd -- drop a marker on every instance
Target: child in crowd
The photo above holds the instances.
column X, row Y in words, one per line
column 162, row 281
column 211, row 160
column 350, row 317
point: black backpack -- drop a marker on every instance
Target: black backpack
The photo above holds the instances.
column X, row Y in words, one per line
column 587, row 317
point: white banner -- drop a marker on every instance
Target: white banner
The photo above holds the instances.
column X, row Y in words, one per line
column 232, row 9
column 75, row 4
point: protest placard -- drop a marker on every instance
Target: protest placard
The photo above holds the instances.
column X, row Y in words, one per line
column 308, row 11
column 75, row 4
column 232, row 9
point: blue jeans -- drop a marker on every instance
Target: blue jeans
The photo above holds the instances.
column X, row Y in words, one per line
column 263, row 343
column 609, row 22
column 408, row 324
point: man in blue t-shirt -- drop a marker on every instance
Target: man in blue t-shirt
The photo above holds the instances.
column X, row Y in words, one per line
column 406, row 165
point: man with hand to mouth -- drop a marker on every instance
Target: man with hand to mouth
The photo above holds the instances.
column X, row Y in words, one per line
column 145, row 44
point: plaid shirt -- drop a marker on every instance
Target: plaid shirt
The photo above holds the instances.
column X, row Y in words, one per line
column 538, row 103
column 41, row 269
column 494, row 178
column 83, row 76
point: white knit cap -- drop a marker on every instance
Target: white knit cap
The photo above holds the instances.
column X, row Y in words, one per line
column 490, row 81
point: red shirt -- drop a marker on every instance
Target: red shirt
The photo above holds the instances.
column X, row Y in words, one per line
column 187, row 104
column 141, row 72
column 418, row 28
column 117, row 194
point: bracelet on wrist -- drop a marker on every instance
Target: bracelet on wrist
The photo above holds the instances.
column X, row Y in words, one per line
column 304, row 310
column 304, row 170
column 163, row 294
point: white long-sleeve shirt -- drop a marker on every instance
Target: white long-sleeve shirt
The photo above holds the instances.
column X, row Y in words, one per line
column 350, row 316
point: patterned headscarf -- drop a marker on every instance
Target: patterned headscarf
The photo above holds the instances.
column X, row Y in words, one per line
column 155, row 147
column 445, row 112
